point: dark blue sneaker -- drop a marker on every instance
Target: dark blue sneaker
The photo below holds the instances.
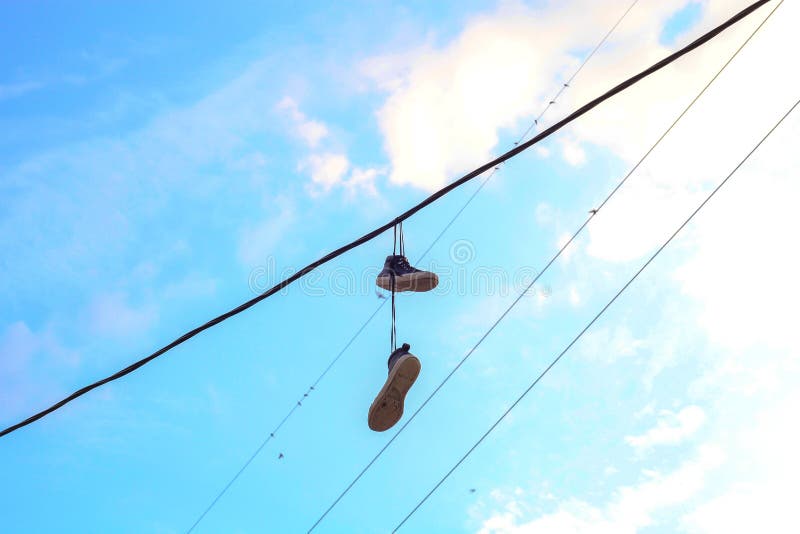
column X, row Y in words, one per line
column 406, row 277
column 387, row 408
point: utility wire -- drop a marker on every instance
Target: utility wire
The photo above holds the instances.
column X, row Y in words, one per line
column 402, row 217
column 546, row 267
column 277, row 428
column 521, row 138
column 596, row 317
column 566, row 84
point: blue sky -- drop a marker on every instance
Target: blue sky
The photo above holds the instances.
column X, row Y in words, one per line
column 161, row 164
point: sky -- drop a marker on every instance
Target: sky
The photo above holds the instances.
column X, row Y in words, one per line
column 161, row 163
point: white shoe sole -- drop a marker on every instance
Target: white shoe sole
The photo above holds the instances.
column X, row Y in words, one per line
column 387, row 408
column 419, row 282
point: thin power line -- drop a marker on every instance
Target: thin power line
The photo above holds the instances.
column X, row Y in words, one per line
column 546, row 267
column 596, row 317
column 400, row 218
column 285, row 418
column 533, row 124
column 580, row 68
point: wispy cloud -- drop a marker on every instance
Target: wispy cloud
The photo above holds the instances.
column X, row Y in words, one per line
column 630, row 509
column 572, row 152
column 609, row 345
column 327, row 170
column 309, row 130
column 767, row 469
column 14, row 90
column 671, row 429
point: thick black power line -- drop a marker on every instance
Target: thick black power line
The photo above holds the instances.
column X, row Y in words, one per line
column 521, row 138
column 546, row 267
column 596, row 317
column 402, row 217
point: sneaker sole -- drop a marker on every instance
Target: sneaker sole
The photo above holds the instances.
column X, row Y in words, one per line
column 411, row 282
column 387, row 408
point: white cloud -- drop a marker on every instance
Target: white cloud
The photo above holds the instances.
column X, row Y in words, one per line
column 309, row 130
column 570, row 251
column 746, row 509
column 743, row 272
column 330, row 170
column 761, row 494
column 326, row 170
column 671, row 429
column 630, row 509
column 574, row 296
column 640, row 216
column 363, row 180
column 572, row 152
column 447, row 105
column 608, row 345
column 631, row 121
column 707, row 143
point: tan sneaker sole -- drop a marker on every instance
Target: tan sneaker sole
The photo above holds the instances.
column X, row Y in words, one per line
column 387, row 408
column 419, row 282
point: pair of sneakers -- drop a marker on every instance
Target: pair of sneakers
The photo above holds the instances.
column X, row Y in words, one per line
column 398, row 275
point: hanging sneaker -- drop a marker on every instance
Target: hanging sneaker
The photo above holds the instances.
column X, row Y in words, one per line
column 387, row 408
column 407, row 278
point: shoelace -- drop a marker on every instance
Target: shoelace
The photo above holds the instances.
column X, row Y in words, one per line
column 402, row 262
column 398, row 229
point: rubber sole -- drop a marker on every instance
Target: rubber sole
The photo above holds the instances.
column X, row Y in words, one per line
column 419, row 282
column 387, row 408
